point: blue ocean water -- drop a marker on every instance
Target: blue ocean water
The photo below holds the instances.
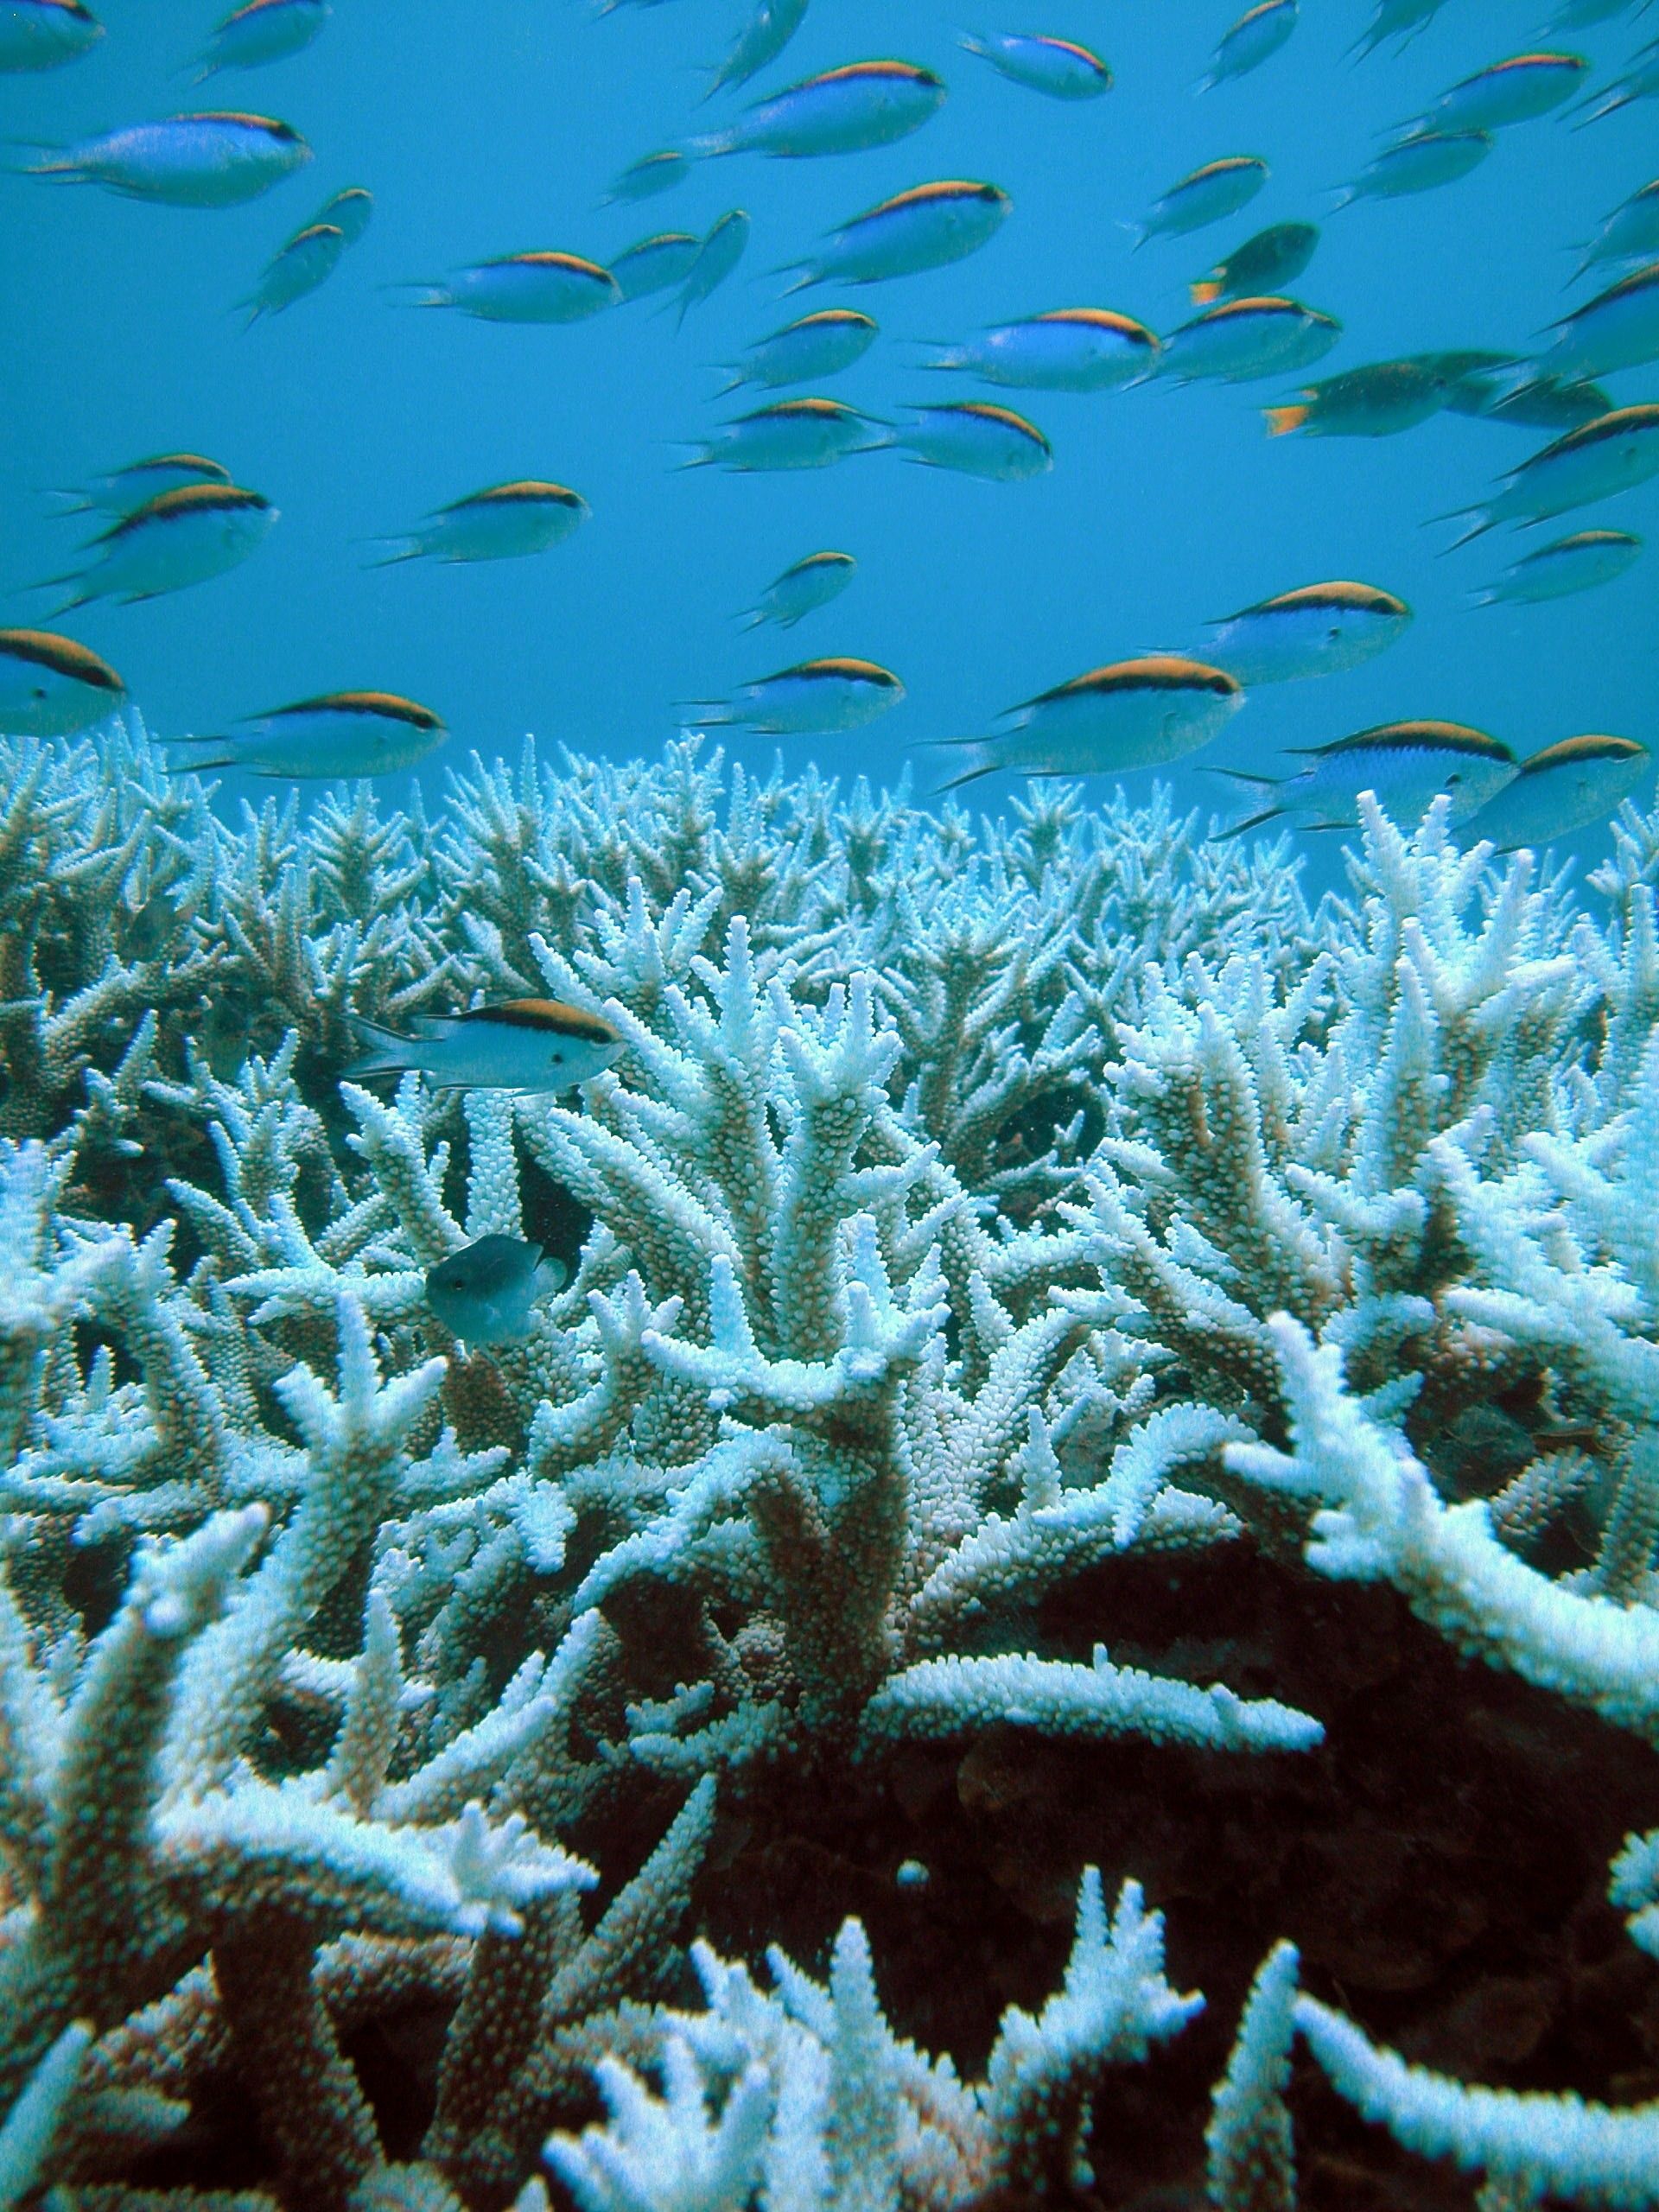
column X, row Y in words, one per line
column 495, row 128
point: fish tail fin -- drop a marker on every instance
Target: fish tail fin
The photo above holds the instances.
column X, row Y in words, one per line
column 1262, row 789
column 386, row 1052
column 214, row 753
column 709, row 145
column 738, row 379
column 1485, row 597
column 422, row 294
column 404, row 549
column 61, row 167
column 550, row 1276
column 1205, row 292
column 971, row 42
column 66, row 502
column 973, row 757
column 703, row 458
column 752, row 618
column 945, row 354
column 1610, row 105
column 806, row 276
column 1139, row 233
column 1282, row 421
column 1481, row 523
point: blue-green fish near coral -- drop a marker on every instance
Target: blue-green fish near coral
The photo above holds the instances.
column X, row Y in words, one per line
column 52, row 686
column 1132, row 714
column 1206, row 195
column 122, row 490
column 977, row 438
column 534, row 1044
column 792, row 434
column 1582, row 561
column 217, row 160
column 1255, row 38
column 261, row 32
column 304, row 265
column 814, row 347
column 1405, row 765
column 542, row 286
column 45, row 33
column 845, row 110
column 1063, row 349
column 1571, row 784
column 504, row 522
column 341, row 734
column 485, row 1293
column 927, row 228
column 178, row 538
column 803, row 587
column 817, row 698
column 1058, row 67
column 1316, row 630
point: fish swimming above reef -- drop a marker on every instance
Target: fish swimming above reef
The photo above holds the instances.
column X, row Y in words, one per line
column 718, row 255
column 506, row 522
column 1264, row 264
column 649, row 174
column 1064, row 349
column 45, row 33
column 536, row 1045
column 1640, row 81
column 179, row 537
column 817, row 698
column 792, row 434
column 1238, row 340
column 1316, row 630
column 1582, row 561
column 1630, row 232
column 1518, row 90
column 1421, row 162
column 974, row 438
column 301, row 267
column 1058, row 67
column 1406, row 765
column 51, row 686
column 484, row 1293
column 1595, row 462
column 1568, row 786
column 813, row 346
column 188, row 161
column 1376, row 401
column 658, row 263
column 1132, row 714
column 845, row 110
column 537, row 287
column 1206, row 195
column 261, row 32
column 927, row 228
column 1618, row 329
column 803, row 587
column 341, row 734
column 760, row 43
column 122, row 490
column 1255, row 38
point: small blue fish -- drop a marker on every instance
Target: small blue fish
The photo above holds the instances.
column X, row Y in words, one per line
column 1583, row 562
column 1639, row 82
column 45, row 33
column 717, row 257
column 1255, row 38
column 806, row 350
column 50, row 686
column 1238, row 340
column 484, row 1294
column 1630, row 233
column 263, row 31
column 804, row 587
column 1316, row 630
column 190, row 161
column 927, row 228
column 1596, row 461
column 649, row 174
column 1422, row 162
column 504, row 523
column 306, row 262
column 792, row 434
column 761, row 39
column 818, row 698
column 178, row 538
column 1207, row 195
column 539, row 287
column 1404, row 20
column 535, row 1045
column 1570, row 785
column 974, row 438
column 845, row 110
column 1058, row 67
column 1064, row 349
column 656, row 264
column 1405, row 765
column 125, row 489
column 1618, row 329
column 1133, row 714
column 342, row 734
column 348, row 209
column 1518, row 90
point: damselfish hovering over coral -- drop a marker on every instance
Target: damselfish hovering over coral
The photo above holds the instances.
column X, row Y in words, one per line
column 1008, row 1290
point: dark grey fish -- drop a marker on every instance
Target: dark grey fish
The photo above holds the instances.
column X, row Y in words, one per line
column 484, row 1293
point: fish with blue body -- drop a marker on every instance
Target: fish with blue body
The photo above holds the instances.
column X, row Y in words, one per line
column 1618, row 329
column 298, row 268
column 1584, row 561
column 1058, row 67
column 1063, row 349
column 1238, row 340
column 1208, row 194
column 715, row 258
column 341, row 733
column 52, row 686
column 504, row 522
column 486, row 1293
column 813, row 346
column 542, row 286
column 927, row 228
column 529, row 1045
column 816, row 698
column 1142, row 713
column 658, row 263
column 803, row 587
column 1596, row 461
column 1316, row 630
column 349, row 210
column 1423, row 161
column 1518, row 89
column 38, row 35
column 179, row 537
column 261, row 32
column 1630, row 232
column 1403, row 20
column 760, row 43
column 1255, row 38
column 217, row 160
column 122, row 490
column 1639, row 81
column 845, row 110
column 650, row 175
column 792, row 434
column 1568, row 786
column 974, row 438
column 1405, row 765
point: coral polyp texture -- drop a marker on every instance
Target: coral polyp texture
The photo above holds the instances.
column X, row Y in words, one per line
column 1079, row 1374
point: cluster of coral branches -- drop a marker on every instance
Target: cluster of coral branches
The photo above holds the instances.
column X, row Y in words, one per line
column 975, row 1218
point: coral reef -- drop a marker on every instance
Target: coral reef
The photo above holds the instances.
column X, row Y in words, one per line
column 1047, row 1306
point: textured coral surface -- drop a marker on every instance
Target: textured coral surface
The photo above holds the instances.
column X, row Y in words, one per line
column 1102, row 1422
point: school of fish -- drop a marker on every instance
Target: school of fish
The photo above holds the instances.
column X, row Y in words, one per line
column 176, row 520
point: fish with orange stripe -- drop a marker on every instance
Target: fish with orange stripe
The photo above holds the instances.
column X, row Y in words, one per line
column 1064, row 349
column 816, row 698
column 792, row 434
column 845, row 110
column 974, row 438
column 533, row 1045
column 180, row 537
column 1132, row 713
column 927, row 228
column 52, row 686
column 341, row 733
column 1058, row 67
column 535, row 287
column 504, row 522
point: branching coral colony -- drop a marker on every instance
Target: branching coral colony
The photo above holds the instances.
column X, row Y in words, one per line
column 968, row 1211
